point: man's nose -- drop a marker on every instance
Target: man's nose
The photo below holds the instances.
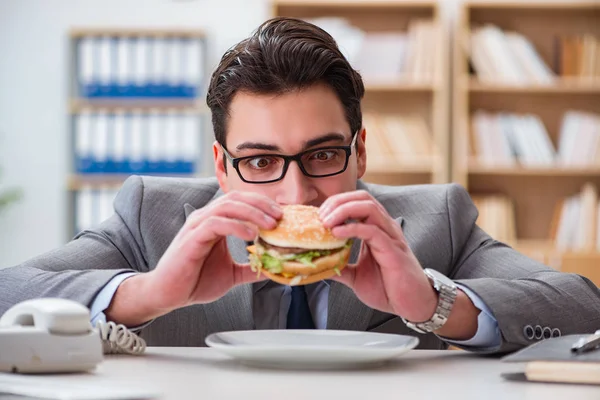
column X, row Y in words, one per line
column 295, row 187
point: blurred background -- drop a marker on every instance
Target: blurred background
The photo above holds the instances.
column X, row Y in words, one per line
column 502, row 97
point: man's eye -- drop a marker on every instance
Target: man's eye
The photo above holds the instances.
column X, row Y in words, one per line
column 260, row 162
column 323, row 155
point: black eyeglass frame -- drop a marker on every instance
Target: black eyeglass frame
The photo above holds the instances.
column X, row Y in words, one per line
column 287, row 159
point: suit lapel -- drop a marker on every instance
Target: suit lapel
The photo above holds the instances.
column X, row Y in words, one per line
column 345, row 310
column 233, row 311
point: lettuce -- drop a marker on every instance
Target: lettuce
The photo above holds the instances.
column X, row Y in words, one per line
column 275, row 264
column 306, row 258
column 271, row 264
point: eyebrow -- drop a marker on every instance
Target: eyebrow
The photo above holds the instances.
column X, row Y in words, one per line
column 329, row 137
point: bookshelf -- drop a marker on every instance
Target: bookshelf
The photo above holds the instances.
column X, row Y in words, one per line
column 135, row 106
column 516, row 75
column 405, row 107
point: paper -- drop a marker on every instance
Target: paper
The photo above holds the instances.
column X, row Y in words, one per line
column 53, row 388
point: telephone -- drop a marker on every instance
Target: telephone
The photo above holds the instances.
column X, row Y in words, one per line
column 55, row 335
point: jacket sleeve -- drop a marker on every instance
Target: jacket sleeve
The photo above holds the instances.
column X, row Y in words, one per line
column 520, row 292
column 82, row 267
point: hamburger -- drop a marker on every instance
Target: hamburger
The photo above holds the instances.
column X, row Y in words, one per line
column 299, row 250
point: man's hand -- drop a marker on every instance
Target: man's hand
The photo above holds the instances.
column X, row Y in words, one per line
column 197, row 267
column 387, row 275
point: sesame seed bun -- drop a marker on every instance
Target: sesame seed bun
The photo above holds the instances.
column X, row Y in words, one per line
column 301, row 227
column 300, row 234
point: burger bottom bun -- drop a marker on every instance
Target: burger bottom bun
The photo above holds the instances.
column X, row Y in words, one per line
column 324, row 268
column 303, row 281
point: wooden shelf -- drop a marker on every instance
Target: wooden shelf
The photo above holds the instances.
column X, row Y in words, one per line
column 562, row 86
column 77, row 182
column 346, row 4
column 425, row 100
column 400, row 87
column 533, row 5
column 133, row 32
column 398, row 169
column 535, row 193
column 187, row 106
column 535, row 172
column 582, row 262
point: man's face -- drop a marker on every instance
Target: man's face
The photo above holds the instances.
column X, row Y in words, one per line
column 289, row 124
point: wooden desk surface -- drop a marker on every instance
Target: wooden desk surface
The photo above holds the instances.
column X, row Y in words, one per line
column 200, row 373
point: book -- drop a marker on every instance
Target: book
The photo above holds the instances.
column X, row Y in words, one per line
column 140, row 67
column 551, row 360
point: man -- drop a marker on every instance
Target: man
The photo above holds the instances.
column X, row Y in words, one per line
column 286, row 111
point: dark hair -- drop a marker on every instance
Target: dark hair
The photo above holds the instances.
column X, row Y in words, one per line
column 282, row 55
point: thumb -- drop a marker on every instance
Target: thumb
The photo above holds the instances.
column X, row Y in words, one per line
column 242, row 273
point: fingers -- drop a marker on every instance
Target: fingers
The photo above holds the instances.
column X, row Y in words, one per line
column 362, row 210
column 242, row 273
column 335, row 201
column 347, row 276
column 374, row 236
column 248, row 207
column 215, row 227
column 243, row 212
column 268, row 206
column 363, row 266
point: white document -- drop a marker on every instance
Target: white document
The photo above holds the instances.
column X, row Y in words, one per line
column 52, row 388
column 83, row 135
column 100, row 147
column 190, row 143
column 170, row 137
column 124, row 61
column 86, row 61
column 174, row 65
column 84, row 207
column 159, row 61
column 105, row 72
column 136, row 150
column 119, row 144
column 194, row 61
column 155, row 145
column 141, row 61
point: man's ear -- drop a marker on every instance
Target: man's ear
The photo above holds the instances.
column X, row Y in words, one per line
column 220, row 171
column 361, row 153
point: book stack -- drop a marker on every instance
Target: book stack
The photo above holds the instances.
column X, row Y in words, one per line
column 506, row 57
column 579, row 142
column 93, row 205
column 136, row 142
column 576, row 225
column 139, row 66
column 397, row 141
column 509, row 139
column 578, row 56
column 135, row 109
column 496, row 217
column 384, row 57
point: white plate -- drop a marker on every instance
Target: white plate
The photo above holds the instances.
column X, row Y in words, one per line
column 321, row 349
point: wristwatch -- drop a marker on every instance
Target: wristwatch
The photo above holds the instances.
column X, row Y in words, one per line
column 447, row 291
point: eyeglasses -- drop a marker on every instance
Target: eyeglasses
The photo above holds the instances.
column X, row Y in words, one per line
column 314, row 163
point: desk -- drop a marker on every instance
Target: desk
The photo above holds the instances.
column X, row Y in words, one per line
column 202, row 373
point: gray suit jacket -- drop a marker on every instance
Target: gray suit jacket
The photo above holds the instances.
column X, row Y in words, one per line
column 438, row 222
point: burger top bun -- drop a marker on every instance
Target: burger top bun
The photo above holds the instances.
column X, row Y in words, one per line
column 301, row 227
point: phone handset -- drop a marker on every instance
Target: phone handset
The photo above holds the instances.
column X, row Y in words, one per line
column 55, row 335
column 56, row 316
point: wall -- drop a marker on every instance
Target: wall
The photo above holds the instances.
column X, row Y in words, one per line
column 34, row 93
column 34, row 87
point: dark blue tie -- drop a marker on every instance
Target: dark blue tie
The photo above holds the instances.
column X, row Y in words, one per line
column 299, row 313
